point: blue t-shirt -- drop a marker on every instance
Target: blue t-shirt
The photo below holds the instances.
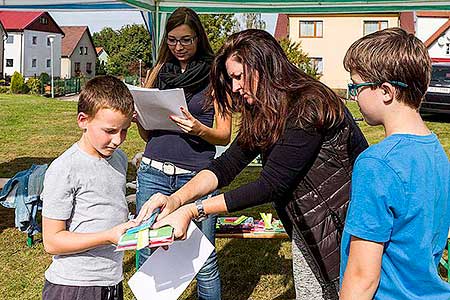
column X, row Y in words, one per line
column 400, row 197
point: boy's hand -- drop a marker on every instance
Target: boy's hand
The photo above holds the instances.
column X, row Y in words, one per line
column 188, row 124
column 115, row 232
column 167, row 204
column 179, row 220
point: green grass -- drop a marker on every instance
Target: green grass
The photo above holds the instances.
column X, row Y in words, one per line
column 36, row 130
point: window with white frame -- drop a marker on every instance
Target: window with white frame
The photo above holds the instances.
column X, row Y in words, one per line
column 34, row 40
column 311, row 29
column 447, row 48
column 81, row 50
column 49, row 63
column 89, row 68
column 9, row 62
column 85, row 50
column 34, row 63
column 317, row 64
column 49, row 43
column 372, row 26
column 10, row 39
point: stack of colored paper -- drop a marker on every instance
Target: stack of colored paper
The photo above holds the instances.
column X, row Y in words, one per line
column 234, row 224
column 156, row 237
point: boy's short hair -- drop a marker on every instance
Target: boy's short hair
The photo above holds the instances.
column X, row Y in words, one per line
column 105, row 92
column 392, row 55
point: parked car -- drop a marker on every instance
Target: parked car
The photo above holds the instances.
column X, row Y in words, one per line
column 437, row 98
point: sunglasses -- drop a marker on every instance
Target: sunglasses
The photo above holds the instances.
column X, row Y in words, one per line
column 353, row 87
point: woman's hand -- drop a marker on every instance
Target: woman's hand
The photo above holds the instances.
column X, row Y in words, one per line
column 167, row 204
column 179, row 220
column 115, row 232
column 188, row 124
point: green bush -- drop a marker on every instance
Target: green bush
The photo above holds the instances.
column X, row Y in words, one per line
column 34, row 85
column 17, row 83
column 4, row 89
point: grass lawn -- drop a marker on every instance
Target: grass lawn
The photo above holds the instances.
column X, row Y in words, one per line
column 36, row 130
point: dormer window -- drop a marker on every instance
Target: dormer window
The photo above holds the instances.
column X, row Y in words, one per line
column 43, row 20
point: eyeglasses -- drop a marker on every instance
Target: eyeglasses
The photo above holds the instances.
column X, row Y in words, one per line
column 185, row 41
column 353, row 87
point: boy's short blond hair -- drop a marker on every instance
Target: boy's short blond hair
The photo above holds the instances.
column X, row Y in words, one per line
column 105, row 92
column 392, row 55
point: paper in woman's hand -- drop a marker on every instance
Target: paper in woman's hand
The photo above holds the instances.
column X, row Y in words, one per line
column 154, row 106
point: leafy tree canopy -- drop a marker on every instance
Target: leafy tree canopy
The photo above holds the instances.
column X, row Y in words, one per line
column 299, row 58
column 125, row 47
column 218, row 27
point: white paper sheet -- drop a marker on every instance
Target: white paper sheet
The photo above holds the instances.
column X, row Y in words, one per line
column 154, row 106
column 166, row 274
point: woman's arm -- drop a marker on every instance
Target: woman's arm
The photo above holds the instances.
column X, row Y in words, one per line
column 145, row 134
column 58, row 240
column 218, row 135
column 362, row 274
column 201, row 184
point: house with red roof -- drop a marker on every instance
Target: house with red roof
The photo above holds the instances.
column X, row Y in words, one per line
column 78, row 55
column 28, row 46
column 102, row 55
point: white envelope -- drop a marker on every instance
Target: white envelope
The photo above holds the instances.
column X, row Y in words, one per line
column 166, row 274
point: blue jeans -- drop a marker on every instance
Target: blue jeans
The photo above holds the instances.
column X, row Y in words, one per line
column 151, row 181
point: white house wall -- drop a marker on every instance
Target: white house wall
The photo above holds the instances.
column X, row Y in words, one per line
column 65, row 67
column 2, row 47
column 440, row 51
column 41, row 52
column 83, row 59
column 339, row 32
column 426, row 26
column 13, row 51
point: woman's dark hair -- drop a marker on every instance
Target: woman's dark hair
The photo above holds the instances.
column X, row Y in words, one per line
column 180, row 16
column 283, row 91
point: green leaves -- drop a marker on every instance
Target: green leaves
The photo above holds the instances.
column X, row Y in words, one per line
column 125, row 47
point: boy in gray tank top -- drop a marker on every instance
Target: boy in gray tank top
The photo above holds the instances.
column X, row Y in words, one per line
column 84, row 207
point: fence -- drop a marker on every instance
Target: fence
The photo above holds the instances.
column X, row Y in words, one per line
column 63, row 87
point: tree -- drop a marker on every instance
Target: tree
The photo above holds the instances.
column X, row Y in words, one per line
column 253, row 21
column 17, row 83
column 218, row 27
column 299, row 58
column 125, row 47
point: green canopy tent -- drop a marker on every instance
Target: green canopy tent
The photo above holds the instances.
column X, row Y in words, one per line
column 155, row 12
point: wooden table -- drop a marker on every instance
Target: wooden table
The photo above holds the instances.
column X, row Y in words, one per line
column 251, row 235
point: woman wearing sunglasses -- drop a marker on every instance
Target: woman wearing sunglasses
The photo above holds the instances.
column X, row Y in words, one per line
column 173, row 158
column 308, row 141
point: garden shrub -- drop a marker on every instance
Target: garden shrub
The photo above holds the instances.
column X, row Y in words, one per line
column 17, row 83
column 4, row 89
column 34, row 85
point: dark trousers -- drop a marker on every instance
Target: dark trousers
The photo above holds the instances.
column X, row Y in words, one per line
column 67, row 292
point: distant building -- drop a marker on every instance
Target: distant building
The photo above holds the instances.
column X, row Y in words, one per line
column 433, row 28
column 326, row 38
column 78, row 54
column 3, row 36
column 28, row 47
column 102, row 55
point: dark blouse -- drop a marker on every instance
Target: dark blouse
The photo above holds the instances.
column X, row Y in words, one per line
column 184, row 150
column 283, row 164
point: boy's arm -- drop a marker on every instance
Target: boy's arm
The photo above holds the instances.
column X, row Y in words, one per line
column 59, row 241
column 362, row 274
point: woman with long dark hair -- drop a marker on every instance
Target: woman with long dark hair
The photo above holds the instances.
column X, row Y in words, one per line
column 173, row 158
column 308, row 141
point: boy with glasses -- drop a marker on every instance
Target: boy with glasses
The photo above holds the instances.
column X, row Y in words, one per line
column 398, row 218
